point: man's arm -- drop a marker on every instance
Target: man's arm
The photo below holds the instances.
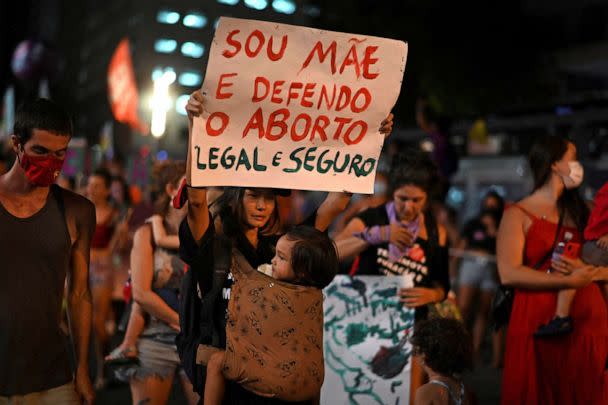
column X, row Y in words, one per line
column 79, row 294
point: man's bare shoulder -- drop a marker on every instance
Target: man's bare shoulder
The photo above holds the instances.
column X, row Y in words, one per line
column 76, row 205
column 75, row 199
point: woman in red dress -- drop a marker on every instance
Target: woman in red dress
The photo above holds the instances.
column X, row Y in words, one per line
column 568, row 369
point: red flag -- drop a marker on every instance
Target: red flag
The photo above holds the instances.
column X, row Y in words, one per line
column 122, row 88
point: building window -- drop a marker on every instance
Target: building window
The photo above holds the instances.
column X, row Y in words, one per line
column 195, row 20
column 228, row 2
column 165, row 45
column 158, row 72
column 193, row 49
column 257, row 4
column 284, row 6
column 167, row 17
column 180, row 104
column 190, row 79
column 312, row 11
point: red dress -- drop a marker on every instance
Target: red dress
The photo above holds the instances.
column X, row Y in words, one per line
column 564, row 370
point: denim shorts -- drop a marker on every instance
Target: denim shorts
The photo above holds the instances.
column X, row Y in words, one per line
column 156, row 360
column 593, row 254
column 64, row 395
column 477, row 272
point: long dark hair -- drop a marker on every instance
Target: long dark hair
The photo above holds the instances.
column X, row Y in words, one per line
column 229, row 207
column 546, row 151
column 415, row 167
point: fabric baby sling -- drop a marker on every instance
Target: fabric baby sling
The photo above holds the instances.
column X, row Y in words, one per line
column 274, row 335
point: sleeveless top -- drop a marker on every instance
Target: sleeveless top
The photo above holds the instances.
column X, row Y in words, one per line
column 35, row 255
column 458, row 400
column 103, row 235
column 426, row 263
column 169, row 271
column 563, row 370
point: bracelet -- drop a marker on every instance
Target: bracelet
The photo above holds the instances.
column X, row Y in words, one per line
column 375, row 235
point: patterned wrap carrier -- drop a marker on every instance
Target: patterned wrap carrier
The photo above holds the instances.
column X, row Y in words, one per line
column 274, row 335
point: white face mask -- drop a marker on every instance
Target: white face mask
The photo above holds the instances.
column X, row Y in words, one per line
column 575, row 176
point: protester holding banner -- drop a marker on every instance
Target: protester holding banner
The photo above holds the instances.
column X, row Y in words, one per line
column 570, row 369
column 248, row 217
column 402, row 238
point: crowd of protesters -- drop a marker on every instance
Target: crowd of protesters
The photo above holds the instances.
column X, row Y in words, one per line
column 141, row 254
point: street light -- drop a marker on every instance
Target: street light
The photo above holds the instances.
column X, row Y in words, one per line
column 161, row 103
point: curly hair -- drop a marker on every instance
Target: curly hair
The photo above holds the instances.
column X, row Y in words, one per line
column 444, row 344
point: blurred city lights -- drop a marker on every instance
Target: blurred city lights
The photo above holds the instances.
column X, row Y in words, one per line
column 256, row 4
column 195, row 20
column 190, row 79
column 193, row 49
column 284, row 6
column 167, row 17
column 165, row 45
column 312, row 11
column 161, row 103
column 162, row 155
column 180, row 104
column 427, row 146
column 159, row 71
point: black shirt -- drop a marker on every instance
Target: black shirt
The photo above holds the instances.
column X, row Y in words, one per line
column 477, row 237
column 426, row 261
column 203, row 251
column 35, row 255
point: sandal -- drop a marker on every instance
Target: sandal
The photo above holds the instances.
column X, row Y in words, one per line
column 121, row 357
column 557, row 326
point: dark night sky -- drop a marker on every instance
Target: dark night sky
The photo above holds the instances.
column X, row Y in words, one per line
column 473, row 57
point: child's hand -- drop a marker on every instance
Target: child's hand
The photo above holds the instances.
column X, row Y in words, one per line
column 418, row 296
column 603, row 242
column 154, row 218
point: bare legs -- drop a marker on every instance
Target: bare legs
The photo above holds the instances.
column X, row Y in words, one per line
column 215, row 384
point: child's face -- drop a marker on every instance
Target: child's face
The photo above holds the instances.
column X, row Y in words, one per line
column 281, row 262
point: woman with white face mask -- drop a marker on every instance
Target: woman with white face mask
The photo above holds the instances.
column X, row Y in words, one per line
column 567, row 369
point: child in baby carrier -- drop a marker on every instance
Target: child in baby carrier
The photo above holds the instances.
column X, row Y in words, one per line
column 126, row 352
column 305, row 262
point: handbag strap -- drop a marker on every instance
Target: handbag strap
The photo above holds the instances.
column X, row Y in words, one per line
column 550, row 252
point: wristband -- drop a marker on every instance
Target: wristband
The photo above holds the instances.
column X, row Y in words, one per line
column 375, row 235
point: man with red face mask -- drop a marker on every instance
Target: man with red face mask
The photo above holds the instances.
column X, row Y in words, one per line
column 45, row 233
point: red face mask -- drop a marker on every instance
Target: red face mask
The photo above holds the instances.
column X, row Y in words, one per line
column 41, row 171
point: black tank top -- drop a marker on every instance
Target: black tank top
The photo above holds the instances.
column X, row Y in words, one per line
column 35, row 255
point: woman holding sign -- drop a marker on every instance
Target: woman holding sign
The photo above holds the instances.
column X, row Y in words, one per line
column 402, row 238
column 248, row 219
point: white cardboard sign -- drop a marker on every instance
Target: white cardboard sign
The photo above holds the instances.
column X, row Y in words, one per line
column 294, row 107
